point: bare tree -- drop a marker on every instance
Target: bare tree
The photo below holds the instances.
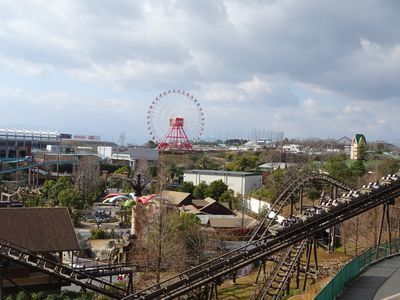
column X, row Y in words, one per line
column 87, row 178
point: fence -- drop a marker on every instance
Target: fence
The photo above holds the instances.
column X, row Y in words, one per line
column 351, row 270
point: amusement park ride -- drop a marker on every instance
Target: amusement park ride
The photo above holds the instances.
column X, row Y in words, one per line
column 174, row 120
column 284, row 245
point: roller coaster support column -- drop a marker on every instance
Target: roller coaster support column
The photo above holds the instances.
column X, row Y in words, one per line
column 16, row 173
column 301, row 199
column 213, row 294
column 261, row 268
column 29, row 177
column 308, row 256
column 332, row 233
column 389, row 228
column 37, row 177
column 3, row 266
column 298, row 275
column 1, row 279
column 291, row 206
column 130, row 282
column 311, row 250
column 385, row 214
column 57, row 165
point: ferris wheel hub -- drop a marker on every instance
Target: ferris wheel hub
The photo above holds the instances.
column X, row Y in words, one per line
column 176, row 138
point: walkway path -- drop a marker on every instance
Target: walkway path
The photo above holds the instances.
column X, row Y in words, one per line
column 380, row 281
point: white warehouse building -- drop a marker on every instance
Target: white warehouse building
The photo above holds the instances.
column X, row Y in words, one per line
column 240, row 182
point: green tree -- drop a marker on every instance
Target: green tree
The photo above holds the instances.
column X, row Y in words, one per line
column 204, row 162
column 199, row 191
column 272, row 183
column 358, row 168
column 35, row 201
column 70, row 198
column 188, row 220
column 336, row 167
column 151, row 144
column 231, row 166
column 229, row 197
column 47, row 186
column 175, row 171
column 62, row 183
column 186, row 187
column 22, row 296
column 246, row 163
column 122, row 170
column 263, row 193
column 97, row 234
column 216, row 189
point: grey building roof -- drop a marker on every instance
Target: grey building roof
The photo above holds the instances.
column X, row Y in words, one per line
column 143, row 153
column 236, row 222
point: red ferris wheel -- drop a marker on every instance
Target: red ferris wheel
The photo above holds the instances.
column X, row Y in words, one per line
column 175, row 120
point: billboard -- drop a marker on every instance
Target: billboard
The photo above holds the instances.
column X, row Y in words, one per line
column 66, row 136
column 86, row 137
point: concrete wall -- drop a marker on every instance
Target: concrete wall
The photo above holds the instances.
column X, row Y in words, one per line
column 258, row 206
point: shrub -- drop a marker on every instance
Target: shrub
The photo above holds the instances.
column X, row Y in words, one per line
column 97, row 234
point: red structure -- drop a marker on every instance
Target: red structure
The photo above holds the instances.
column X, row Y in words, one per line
column 176, row 138
column 176, row 108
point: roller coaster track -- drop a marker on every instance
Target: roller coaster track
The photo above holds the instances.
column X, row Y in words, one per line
column 19, row 255
column 107, row 270
column 216, row 269
column 283, row 270
column 36, row 165
column 283, row 196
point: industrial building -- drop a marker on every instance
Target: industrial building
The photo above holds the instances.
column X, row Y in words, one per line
column 240, row 182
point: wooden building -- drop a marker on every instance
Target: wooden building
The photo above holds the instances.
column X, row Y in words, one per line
column 45, row 231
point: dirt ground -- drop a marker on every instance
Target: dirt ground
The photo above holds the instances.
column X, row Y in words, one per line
column 328, row 263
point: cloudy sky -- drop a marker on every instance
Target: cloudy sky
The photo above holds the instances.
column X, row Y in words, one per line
column 308, row 68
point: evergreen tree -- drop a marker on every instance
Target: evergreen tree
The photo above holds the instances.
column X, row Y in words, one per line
column 200, row 190
column 186, row 187
column 216, row 189
column 337, row 168
column 358, row 168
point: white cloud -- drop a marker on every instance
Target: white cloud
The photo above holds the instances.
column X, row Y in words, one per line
column 353, row 108
column 309, row 105
column 23, row 66
column 286, row 64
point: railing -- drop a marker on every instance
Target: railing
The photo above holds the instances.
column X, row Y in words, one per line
column 350, row 271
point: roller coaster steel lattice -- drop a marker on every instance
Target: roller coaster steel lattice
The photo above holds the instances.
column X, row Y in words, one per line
column 216, row 269
column 283, row 197
column 256, row 250
column 36, row 165
column 19, row 255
